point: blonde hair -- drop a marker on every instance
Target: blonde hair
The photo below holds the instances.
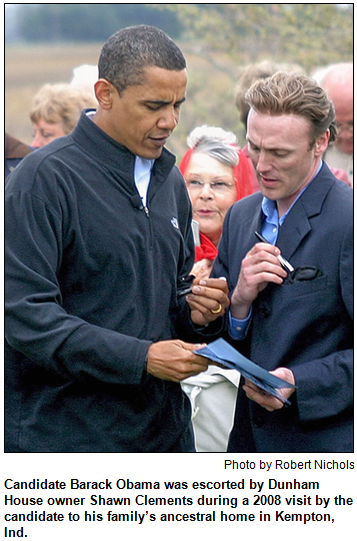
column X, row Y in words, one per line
column 61, row 103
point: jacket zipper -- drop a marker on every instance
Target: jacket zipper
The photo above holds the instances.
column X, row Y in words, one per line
column 151, row 239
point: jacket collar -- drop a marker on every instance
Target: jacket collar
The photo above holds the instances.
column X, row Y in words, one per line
column 113, row 155
column 297, row 223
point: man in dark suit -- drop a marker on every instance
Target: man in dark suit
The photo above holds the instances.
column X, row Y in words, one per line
column 295, row 323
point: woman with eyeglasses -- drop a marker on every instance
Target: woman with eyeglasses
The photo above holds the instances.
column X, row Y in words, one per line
column 217, row 174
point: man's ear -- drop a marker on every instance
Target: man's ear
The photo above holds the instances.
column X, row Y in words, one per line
column 104, row 93
column 321, row 143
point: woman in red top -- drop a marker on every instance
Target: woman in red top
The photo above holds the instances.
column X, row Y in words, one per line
column 217, row 174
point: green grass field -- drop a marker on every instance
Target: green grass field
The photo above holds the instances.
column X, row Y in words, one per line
column 210, row 95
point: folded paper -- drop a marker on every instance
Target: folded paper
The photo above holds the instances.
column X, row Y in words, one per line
column 225, row 355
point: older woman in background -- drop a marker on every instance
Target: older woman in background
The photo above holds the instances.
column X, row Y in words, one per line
column 217, row 174
column 56, row 110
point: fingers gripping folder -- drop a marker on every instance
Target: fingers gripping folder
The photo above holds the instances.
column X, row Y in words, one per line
column 225, row 355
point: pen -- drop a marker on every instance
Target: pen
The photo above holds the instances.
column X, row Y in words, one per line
column 283, row 262
column 189, row 289
column 184, row 291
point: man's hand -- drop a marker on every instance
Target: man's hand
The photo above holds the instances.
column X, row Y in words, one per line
column 259, row 267
column 208, row 300
column 174, row 360
column 266, row 400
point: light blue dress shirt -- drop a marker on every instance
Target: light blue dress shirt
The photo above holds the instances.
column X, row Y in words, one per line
column 142, row 175
column 270, row 228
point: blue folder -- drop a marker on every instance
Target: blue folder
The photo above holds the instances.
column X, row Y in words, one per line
column 225, row 355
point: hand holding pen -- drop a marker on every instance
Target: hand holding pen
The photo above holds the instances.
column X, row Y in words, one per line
column 263, row 264
column 283, row 262
column 208, row 300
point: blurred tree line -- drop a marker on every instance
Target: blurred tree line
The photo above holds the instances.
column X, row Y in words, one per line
column 88, row 22
column 309, row 34
column 216, row 39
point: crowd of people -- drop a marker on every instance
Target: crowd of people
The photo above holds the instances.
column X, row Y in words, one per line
column 120, row 265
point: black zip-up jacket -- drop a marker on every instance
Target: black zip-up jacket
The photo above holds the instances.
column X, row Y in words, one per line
column 91, row 281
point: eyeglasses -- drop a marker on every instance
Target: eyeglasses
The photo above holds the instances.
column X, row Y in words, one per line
column 218, row 186
column 344, row 126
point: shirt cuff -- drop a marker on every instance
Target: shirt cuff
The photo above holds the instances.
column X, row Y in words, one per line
column 238, row 327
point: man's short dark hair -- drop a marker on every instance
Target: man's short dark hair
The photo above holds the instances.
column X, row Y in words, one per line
column 129, row 51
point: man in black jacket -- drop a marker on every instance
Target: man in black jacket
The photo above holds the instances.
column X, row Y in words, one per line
column 99, row 249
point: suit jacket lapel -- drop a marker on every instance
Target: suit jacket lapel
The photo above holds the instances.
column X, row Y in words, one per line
column 297, row 223
column 295, row 227
column 254, row 224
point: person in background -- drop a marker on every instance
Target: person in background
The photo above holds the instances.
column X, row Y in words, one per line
column 247, row 75
column 295, row 321
column 85, row 77
column 217, row 174
column 15, row 151
column 337, row 80
column 99, row 248
column 56, row 110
